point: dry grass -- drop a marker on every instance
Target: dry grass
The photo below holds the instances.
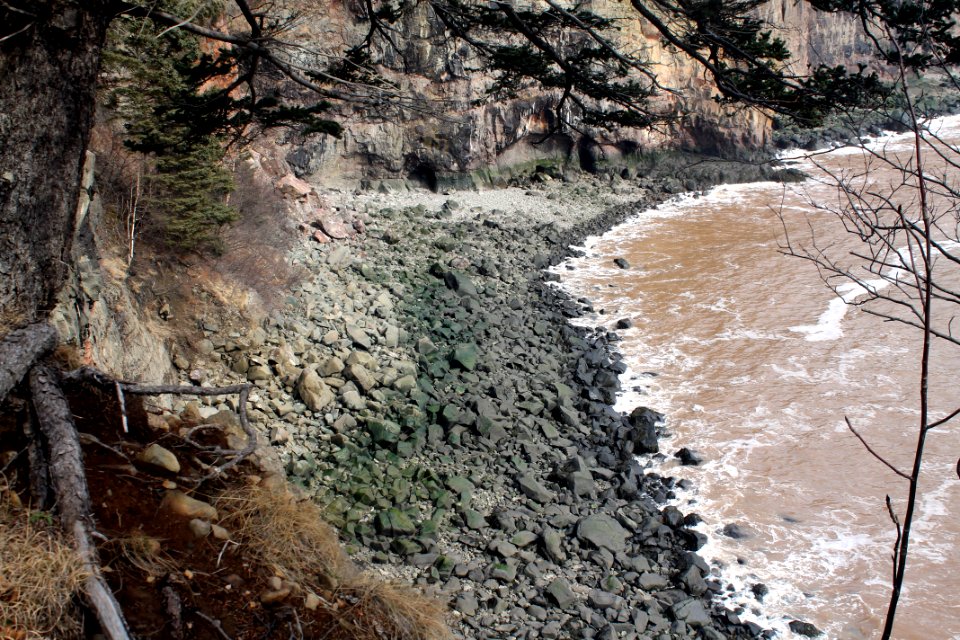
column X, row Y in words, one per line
column 291, row 537
column 40, row 576
column 145, row 554
column 397, row 612
column 288, row 535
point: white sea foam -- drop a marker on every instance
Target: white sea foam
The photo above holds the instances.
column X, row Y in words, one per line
column 818, row 554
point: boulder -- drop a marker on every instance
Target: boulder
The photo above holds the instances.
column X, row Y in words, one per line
column 691, row 611
column 465, row 356
column 313, row 391
column 534, row 490
column 805, row 629
column 561, row 593
column 604, row 532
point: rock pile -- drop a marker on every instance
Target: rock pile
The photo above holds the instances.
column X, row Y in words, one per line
column 427, row 388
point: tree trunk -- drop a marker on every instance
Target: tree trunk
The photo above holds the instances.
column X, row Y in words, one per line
column 49, row 59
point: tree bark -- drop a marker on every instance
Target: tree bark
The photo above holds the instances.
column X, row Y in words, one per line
column 69, row 481
column 49, row 60
column 19, row 350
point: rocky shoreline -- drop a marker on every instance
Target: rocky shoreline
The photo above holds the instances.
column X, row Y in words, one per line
column 427, row 389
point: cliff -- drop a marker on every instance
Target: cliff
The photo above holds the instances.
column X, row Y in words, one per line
column 454, row 142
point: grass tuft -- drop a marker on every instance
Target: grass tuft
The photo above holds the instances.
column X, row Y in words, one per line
column 291, row 536
column 40, row 577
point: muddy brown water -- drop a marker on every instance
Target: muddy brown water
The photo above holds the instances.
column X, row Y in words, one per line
column 757, row 363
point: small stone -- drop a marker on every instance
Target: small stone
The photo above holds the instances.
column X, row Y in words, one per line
column 311, row 602
column 200, row 528
column 621, row 262
column 279, row 435
column 653, row 581
column 313, row 391
column 273, row 597
column 523, row 539
column 359, row 337
column 159, row 457
column 219, row 532
column 561, row 593
column 395, row 523
column 361, row 376
column 601, row 599
column 534, row 490
column 465, row 355
column 183, row 505
column 331, row 367
column 258, row 372
column 467, row 603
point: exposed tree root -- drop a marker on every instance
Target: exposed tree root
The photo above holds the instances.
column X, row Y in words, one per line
column 70, row 489
column 21, row 353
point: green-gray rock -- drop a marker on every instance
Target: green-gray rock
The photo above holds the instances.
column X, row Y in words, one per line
column 604, row 532
column 561, row 593
column 394, row 522
column 534, row 490
column 465, row 356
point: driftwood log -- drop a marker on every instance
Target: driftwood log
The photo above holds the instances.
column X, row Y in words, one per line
column 22, row 355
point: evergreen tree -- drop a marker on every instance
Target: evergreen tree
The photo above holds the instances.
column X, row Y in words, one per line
column 169, row 115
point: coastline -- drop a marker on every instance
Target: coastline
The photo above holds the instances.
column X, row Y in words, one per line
column 427, row 388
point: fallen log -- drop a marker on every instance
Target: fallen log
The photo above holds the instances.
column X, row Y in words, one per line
column 69, row 483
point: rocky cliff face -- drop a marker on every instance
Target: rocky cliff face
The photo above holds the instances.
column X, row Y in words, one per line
column 467, row 145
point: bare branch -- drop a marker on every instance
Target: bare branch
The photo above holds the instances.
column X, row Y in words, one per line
column 874, row 453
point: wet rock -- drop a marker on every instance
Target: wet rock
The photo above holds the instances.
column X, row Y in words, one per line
column 689, row 457
column 644, row 423
column 759, row 590
column 735, row 531
column 621, row 262
column 805, row 629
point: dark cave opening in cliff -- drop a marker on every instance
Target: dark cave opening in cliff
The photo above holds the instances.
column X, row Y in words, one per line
column 425, row 175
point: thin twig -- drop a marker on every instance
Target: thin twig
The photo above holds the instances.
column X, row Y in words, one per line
column 222, row 550
column 214, row 623
column 123, row 407
column 89, row 438
column 874, row 453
